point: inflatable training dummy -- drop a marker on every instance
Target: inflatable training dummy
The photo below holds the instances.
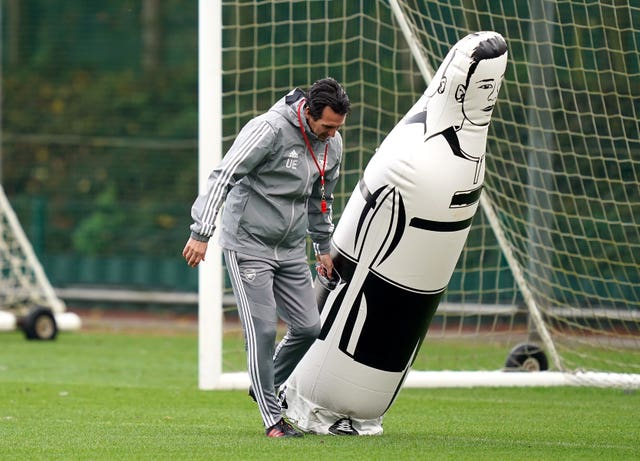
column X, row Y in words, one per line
column 397, row 245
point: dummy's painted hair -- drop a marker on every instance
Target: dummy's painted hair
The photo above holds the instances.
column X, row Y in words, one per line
column 490, row 48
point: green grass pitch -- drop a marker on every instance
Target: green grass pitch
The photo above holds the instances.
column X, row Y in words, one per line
column 118, row 396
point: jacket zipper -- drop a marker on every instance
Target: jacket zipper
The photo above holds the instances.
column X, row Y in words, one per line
column 293, row 206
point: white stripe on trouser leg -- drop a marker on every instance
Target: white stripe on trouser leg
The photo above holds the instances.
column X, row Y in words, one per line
column 281, row 344
column 252, row 353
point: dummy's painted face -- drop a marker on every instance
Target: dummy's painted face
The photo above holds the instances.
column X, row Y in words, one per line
column 479, row 98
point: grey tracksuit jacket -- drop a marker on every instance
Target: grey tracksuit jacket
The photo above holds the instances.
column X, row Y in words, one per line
column 272, row 187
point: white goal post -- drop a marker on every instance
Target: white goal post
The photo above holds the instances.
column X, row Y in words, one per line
column 210, row 285
column 553, row 257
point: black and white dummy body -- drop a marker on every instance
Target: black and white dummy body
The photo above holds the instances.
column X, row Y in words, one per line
column 397, row 244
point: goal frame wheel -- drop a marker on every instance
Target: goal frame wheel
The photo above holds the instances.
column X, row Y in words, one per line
column 526, row 357
column 39, row 324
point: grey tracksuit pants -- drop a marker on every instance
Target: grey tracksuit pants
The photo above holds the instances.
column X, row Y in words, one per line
column 265, row 290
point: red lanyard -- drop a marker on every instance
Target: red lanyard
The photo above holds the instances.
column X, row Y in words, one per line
column 323, row 201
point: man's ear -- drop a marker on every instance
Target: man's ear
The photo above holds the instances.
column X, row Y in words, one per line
column 460, row 92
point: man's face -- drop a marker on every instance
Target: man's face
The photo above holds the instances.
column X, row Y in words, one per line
column 328, row 123
column 481, row 94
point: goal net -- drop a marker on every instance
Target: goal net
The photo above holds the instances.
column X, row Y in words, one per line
column 553, row 257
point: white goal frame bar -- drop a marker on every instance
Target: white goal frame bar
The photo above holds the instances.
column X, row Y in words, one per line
column 52, row 301
column 210, row 287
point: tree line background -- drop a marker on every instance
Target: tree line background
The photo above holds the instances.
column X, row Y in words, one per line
column 99, row 135
column 99, row 124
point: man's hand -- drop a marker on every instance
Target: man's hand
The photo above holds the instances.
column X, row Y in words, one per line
column 194, row 251
column 325, row 267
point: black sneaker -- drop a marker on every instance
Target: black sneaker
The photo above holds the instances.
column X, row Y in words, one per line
column 283, row 429
column 343, row 426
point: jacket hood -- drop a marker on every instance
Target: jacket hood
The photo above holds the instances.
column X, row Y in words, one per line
column 288, row 106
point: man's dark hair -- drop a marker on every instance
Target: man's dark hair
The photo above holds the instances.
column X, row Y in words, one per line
column 327, row 92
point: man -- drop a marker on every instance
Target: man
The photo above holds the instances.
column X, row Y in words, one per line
column 277, row 179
